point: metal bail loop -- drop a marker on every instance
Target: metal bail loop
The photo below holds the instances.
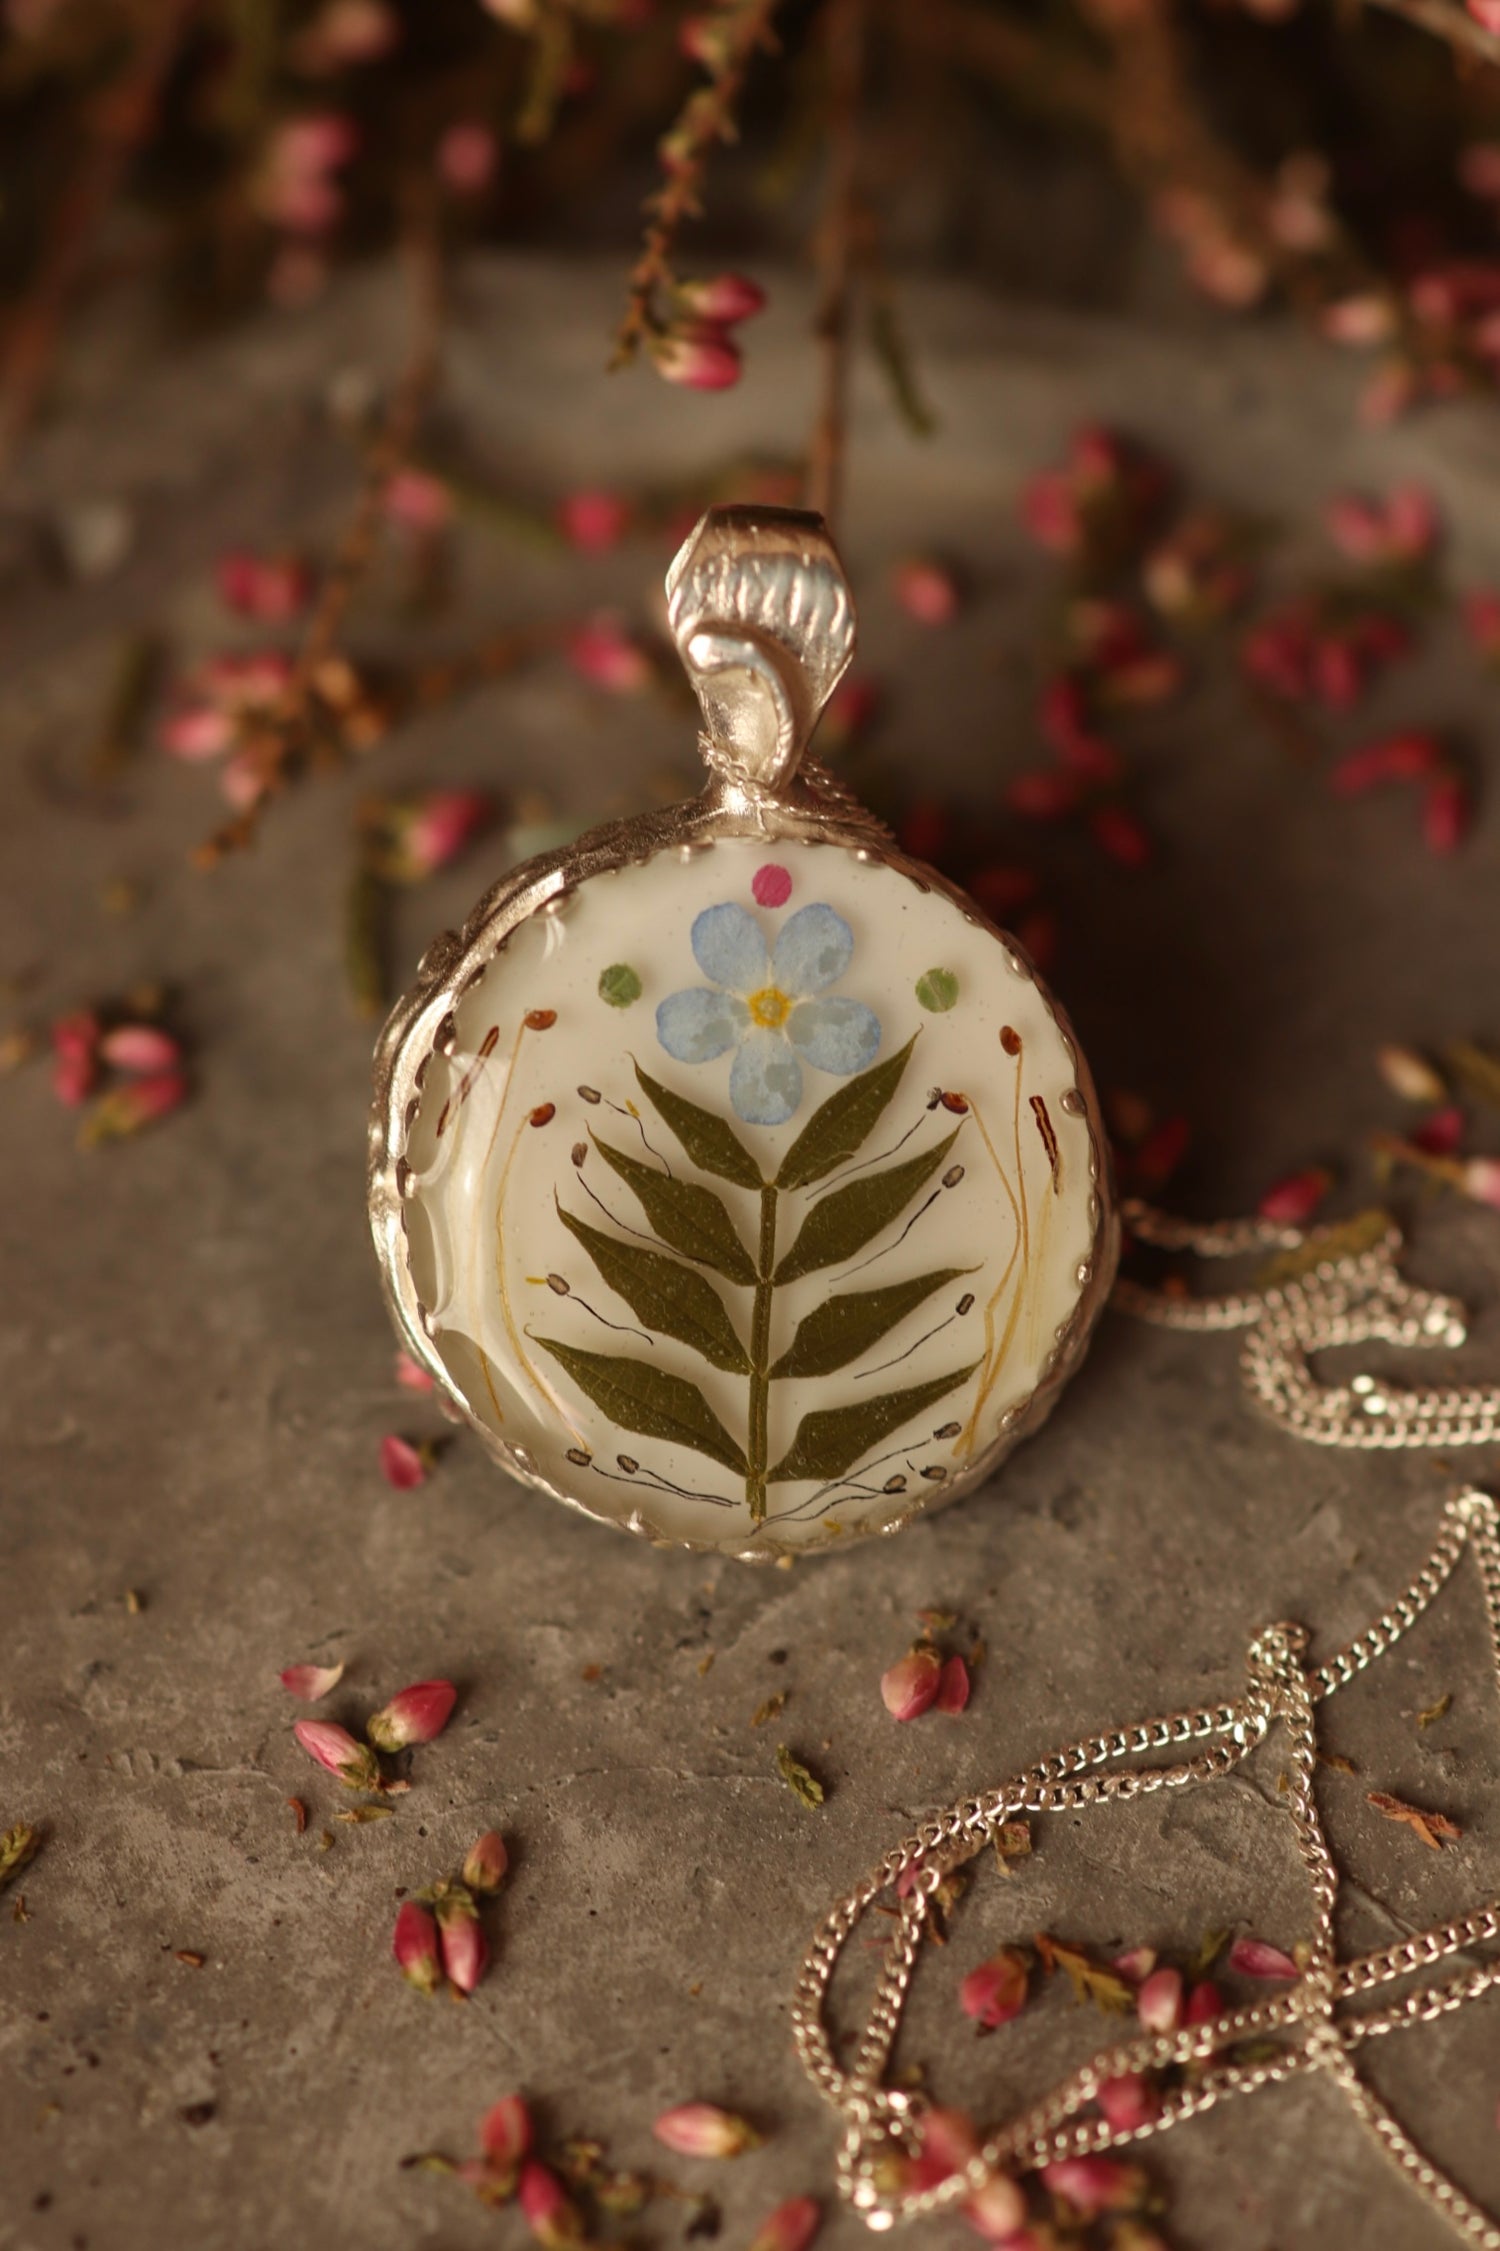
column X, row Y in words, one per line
column 763, row 620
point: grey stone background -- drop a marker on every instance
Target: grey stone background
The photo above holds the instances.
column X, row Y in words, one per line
column 197, row 1366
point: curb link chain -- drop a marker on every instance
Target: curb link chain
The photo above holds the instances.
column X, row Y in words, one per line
column 1349, row 1297
column 882, row 2125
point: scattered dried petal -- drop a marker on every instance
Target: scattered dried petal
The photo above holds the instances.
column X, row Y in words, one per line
column 953, row 1686
column 702, row 2129
column 402, row 1464
column 1254, row 1957
column 910, row 1686
column 996, row 1991
column 415, row 1715
column 311, row 1683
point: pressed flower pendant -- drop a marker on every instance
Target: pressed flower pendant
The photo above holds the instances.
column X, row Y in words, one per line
column 740, row 1182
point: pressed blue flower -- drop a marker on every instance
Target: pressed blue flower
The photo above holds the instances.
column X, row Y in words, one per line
column 770, row 1008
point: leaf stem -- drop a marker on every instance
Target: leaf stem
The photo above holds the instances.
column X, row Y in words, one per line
column 758, row 1449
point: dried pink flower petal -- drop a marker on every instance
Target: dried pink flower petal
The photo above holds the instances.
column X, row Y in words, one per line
column 1135, row 1964
column 1410, row 1075
column 418, row 502
column 604, row 654
column 273, row 589
column 401, row 1463
column 467, row 157
column 410, row 1376
column 1293, row 1201
column 140, row 1049
column 414, row 1943
column 1158, row 2003
column 996, row 1991
column 927, row 591
column 1094, row 2184
column 415, row 1715
column 702, row 2129
column 1205, row 2001
column 197, row 731
column 1130, row 2101
column 505, row 2131
column 953, row 1686
column 486, row 1863
column 551, row 2215
column 592, row 520
column 311, row 1683
column 335, row 1749
column 910, row 1686
column 1255, row 1957
column 791, row 2227
column 465, row 1951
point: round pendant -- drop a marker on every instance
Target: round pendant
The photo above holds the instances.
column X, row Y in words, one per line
column 736, row 1178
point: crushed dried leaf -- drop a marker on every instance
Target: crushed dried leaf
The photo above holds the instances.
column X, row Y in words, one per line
column 18, row 1848
column 363, row 1813
column 1432, row 1828
column 769, row 1709
column 299, row 1813
column 1090, row 1980
column 799, row 1780
column 1435, row 1712
column 1337, row 1761
column 1012, row 1841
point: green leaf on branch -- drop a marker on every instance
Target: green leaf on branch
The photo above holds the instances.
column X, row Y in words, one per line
column 851, row 1216
column 686, row 1216
column 664, row 1295
column 637, row 1396
column 841, row 1125
column 832, row 1441
column 841, row 1328
column 712, row 1145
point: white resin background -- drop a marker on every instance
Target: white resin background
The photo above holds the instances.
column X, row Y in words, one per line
column 559, row 1339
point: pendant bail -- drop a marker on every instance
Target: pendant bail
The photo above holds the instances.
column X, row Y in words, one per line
column 763, row 619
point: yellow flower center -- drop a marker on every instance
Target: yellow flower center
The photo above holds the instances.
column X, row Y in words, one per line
column 770, row 1008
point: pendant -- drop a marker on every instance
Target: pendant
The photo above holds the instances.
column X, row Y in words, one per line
column 736, row 1179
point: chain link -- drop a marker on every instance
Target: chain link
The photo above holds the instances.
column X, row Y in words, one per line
column 1348, row 1297
column 882, row 2125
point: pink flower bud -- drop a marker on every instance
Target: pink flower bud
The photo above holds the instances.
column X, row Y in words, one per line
column 593, row 521
column 74, row 1077
column 416, row 1715
column 335, row 1749
column 947, row 2140
column 996, row 1991
column 410, row 1376
column 1292, row 1202
column 401, row 1463
column 139, row 1103
column 1408, row 1074
column 467, row 157
column 953, row 1686
column 140, row 1048
column 1050, row 512
column 75, row 1035
column 997, row 2211
column 791, row 2227
column 604, row 654
column 434, row 828
column 1366, row 319
column 1043, row 796
column 311, row 1683
column 505, row 2133
column 1396, row 758
column 197, row 731
column 273, row 590
column 1447, row 812
column 465, row 1953
column 550, row 2213
column 1481, row 1180
column 910, row 1686
column 415, row 1946
column 1094, row 2184
column 243, row 780
column 1130, row 2101
column 1158, row 2004
column 701, row 357
column 1440, row 1134
column 486, row 1863
column 1121, row 835
column 1135, row 1964
column 927, row 592
column 418, row 502
column 701, row 2129
column 1253, row 1957
column 725, row 298
column 1203, row 2003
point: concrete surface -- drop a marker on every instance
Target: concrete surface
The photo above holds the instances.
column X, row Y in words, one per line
column 196, row 1370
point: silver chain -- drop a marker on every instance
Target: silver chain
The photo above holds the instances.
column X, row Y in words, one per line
column 882, row 2125
column 1348, row 1297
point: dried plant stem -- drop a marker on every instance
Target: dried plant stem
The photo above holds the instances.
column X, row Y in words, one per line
column 284, row 741
column 123, row 116
column 845, row 25
column 740, row 27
